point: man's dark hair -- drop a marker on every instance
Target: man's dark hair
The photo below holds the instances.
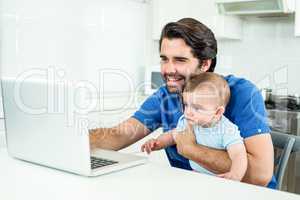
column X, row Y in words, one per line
column 196, row 35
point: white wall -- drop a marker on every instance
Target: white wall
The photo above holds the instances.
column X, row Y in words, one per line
column 80, row 37
column 268, row 54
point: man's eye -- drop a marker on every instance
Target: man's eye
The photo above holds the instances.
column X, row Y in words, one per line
column 163, row 60
column 180, row 61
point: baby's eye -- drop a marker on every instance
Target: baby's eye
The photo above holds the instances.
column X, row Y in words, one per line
column 199, row 110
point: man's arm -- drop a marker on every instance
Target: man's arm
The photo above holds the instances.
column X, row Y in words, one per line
column 260, row 155
column 259, row 152
column 118, row 137
column 214, row 160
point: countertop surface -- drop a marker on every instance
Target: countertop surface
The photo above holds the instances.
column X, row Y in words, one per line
column 22, row 180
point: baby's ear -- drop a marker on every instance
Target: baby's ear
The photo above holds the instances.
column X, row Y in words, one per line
column 220, row 111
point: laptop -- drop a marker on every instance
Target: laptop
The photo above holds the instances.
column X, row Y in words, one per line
column 42, row 128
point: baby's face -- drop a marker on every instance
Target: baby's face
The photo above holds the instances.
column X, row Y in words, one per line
column 200, row 107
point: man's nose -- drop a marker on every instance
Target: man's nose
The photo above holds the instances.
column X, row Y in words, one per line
column 170, row 68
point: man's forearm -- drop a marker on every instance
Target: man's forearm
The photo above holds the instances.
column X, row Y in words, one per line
column 118, row 137
column 214, row 160
column 106, row 138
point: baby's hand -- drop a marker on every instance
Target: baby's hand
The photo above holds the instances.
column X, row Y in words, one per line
column 151, row 145
column 231, row 176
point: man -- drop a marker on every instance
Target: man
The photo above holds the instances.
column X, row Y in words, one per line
column 187, row 47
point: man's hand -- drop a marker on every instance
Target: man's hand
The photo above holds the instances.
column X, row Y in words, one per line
column 185, row 139
column 152, row 145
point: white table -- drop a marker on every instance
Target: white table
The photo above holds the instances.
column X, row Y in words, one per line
column 22, row 180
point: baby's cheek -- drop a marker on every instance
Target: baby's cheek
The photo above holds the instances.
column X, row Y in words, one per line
column 201, row 118
column 205, row 120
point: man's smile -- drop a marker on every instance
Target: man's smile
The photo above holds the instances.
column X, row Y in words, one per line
column 171, row 79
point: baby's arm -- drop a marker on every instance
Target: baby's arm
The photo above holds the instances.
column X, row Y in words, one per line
column 161, row 142
column 238, row 156
column 166, row 139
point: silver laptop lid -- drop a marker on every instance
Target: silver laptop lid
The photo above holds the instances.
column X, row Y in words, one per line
column 42, row 127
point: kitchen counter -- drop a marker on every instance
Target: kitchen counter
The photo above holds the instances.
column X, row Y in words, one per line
column 22, row 180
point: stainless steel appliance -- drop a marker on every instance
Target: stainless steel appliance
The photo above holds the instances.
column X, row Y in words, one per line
column 284, row 116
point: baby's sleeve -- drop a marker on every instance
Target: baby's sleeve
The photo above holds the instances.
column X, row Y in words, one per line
column 231, row 135
column 181, row 124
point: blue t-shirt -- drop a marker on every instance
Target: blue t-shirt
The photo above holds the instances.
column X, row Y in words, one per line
column 246, row 109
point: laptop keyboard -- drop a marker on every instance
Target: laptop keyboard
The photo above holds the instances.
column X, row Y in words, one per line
column 100, row 162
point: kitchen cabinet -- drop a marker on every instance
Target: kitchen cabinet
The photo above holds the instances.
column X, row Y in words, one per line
column 164, row 11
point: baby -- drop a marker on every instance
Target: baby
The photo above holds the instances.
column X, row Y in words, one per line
column 205, row 97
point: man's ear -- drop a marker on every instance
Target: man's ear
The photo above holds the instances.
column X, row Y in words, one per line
column 205, row 65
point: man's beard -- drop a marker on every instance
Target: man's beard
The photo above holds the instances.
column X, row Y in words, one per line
column 174, row 89
column 174, row 82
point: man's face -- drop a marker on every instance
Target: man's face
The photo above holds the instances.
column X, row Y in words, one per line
column 177, row 63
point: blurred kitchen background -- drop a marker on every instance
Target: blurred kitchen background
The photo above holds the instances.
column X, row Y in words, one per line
column 80, row 40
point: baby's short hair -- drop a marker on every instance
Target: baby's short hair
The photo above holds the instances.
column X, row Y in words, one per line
column 212, row 81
